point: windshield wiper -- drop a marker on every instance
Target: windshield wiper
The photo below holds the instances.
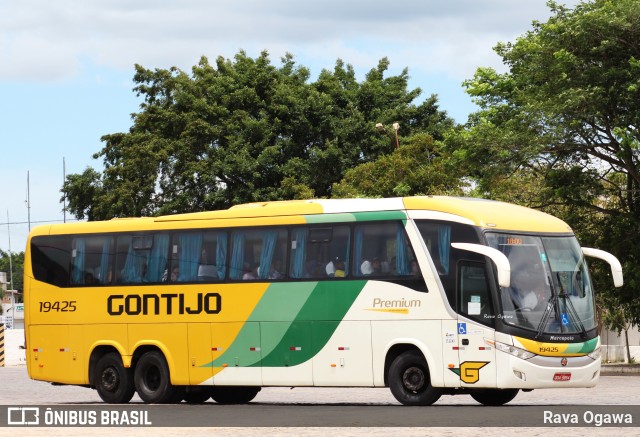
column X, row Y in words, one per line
column 553, row 302
column 547, row 310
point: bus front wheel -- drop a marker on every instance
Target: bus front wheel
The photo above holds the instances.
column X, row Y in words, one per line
column 494, row 397
column 112, row 380
column 152, row 379
column 409, row 380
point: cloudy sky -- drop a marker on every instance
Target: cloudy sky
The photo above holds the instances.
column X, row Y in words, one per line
column 66, row 66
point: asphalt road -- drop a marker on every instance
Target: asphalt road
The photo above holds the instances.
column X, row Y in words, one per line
column 338, row 411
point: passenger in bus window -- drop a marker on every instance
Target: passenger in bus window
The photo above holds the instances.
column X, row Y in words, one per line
column 276, row 270
column 366, row 268
column 376, row 267
column 89, row 279
column 330, row 268
column 340, row 270
column 251, row 274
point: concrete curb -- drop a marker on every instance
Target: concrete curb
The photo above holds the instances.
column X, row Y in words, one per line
column 620, row 369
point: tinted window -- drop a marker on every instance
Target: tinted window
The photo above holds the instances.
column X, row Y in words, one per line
column 474, row 295
column 198, row 256
column 382, row 249
column 258, row 254
column 320, row 252
column 51, row 259
column 91, row 260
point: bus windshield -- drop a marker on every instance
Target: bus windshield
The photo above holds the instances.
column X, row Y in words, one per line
column 550, row 289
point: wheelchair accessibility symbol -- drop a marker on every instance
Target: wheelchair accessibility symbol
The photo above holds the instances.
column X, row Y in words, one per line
column 565, row 319
column 462, row 328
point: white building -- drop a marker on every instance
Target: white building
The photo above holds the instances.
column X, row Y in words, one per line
column 12, row 313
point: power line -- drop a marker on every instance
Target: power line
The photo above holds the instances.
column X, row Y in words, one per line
column 39, row 221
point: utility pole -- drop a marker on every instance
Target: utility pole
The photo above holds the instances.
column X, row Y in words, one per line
column 10, row 261
column 64, row 192
column 28, row 202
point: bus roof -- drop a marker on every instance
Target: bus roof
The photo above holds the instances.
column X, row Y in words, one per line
column 483, row 213
column 490, row 213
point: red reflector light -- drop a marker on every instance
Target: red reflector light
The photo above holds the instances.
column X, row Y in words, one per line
column 562, row 377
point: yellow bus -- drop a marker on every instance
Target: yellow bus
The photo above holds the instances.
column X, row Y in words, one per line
column 424, row 295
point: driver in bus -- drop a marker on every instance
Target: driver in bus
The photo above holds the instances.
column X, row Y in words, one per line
column 523, row 291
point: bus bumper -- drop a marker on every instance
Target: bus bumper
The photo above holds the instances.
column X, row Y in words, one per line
column 546, row 372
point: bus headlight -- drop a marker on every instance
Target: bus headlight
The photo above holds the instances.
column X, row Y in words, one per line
column 595, row 355
column 512, row 350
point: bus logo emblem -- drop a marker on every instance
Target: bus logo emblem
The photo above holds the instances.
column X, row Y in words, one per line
column 469, row 371
column 564, row 362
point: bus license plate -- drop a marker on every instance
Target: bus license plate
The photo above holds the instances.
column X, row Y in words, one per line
column 562, row 377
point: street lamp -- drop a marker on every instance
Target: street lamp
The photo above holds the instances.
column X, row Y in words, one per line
column 395, row 126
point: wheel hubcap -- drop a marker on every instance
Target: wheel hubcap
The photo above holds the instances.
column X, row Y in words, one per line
column 413, row 379
column 110, row 379
column 152, row 378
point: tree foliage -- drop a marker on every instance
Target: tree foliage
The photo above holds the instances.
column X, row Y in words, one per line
column 244, row 130
column 15, row 265
column 566, row 115
column 417, row 167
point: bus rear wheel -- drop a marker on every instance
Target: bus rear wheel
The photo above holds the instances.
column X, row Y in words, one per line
column 152, row 379
column 113, row 382
column 409, row 380
column 494, row 397
column 234, row 395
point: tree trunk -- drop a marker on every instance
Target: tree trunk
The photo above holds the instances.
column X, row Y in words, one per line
column 626, row 339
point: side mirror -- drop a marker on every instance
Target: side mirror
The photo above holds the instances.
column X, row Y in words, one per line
column 498, row 258
column 616, row 267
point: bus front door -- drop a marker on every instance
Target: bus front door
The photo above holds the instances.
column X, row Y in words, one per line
column 477, row 366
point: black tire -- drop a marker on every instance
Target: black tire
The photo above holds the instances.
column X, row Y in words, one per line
column 494, row 397
column 410, row 382
column 234, row 395
column 196, row 395
column 112, row 380
column 152, row 379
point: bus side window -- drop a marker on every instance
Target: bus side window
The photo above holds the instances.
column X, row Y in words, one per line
column 132, row 257
column 258, row 254
column 91, row 260
column 319, row 252
column 383, row 250
column 186, row 252
column 51, row 259
column 474, row 297
column 213, row 258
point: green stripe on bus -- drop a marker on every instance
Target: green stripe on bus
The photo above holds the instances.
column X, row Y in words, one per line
column 379, row 215
column 292, row 323
column 314, row 325
column 355, row 217
column 581, row 348
column 280, row 302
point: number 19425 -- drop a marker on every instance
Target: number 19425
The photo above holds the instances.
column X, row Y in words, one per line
column 58, row 306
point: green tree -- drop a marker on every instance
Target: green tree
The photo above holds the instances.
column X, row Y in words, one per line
column 245, row 130
column 417, row 167
column 566, row 115
column 16, row 264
